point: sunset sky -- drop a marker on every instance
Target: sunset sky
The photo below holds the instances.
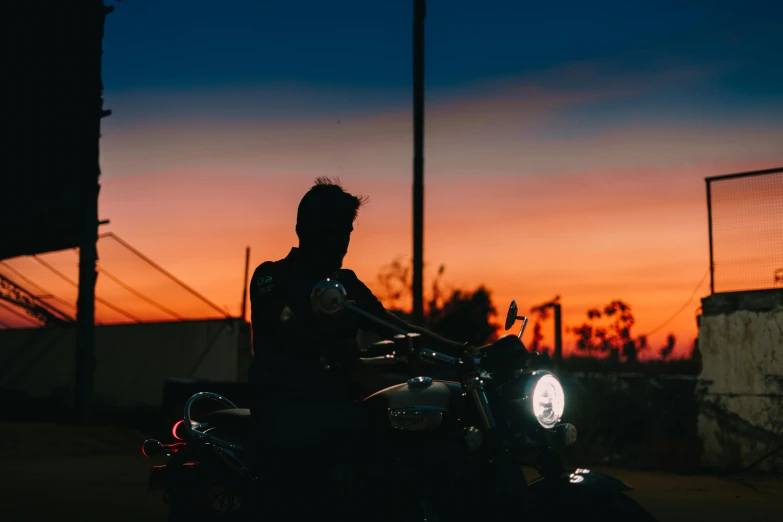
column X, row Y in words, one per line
column 566, row 143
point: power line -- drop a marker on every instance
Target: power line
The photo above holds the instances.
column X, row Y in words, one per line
column 165, row 272
column 135, row 292
column 74, row 283
column 38, row 287
column 25, row 300
column 683, row 307
column 138, row 294
column 16, row 313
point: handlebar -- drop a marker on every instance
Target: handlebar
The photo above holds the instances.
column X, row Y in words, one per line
column 436, row 357
column 328, row 297
column 379, row 349
column 387, row 352
column 383, row 359
column 405, row 343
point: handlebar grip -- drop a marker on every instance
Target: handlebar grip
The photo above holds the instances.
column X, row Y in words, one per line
column 382, row 360
column 379, row 349
column 407, row 343
column 437, row 357
column 382, row 352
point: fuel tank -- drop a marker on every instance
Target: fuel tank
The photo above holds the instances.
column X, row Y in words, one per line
column 419, row 405
column 429, row 429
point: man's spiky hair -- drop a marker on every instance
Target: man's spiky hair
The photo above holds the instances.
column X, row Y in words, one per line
column 327, row 195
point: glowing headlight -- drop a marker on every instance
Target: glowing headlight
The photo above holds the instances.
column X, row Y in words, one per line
column 545, row 397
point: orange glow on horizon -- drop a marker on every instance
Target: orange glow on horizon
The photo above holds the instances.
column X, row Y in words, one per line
column 510, row 203
column 517, row 252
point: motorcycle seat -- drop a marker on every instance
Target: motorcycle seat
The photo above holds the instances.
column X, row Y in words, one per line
column 234, row 424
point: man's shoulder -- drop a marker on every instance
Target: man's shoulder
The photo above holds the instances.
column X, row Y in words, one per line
column 347, row 274
column 267, row 275
column 273, row 268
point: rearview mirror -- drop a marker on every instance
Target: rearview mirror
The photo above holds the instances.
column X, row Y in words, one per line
column 327, row 297
column 511, row 317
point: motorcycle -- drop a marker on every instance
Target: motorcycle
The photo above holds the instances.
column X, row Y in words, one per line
column 452, row 447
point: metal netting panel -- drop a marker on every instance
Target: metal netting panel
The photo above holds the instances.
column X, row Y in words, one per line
column 130, row 288
column 746, row 225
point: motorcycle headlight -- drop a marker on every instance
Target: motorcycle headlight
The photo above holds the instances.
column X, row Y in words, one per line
column 544, row 398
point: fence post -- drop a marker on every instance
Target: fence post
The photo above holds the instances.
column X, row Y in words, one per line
column 558, row 337
column 709, row 221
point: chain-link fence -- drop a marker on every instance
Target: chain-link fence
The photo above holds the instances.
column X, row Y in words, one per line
column 745, row 213
column 131, row 288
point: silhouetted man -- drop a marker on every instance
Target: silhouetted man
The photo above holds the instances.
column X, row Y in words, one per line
column 305, row 412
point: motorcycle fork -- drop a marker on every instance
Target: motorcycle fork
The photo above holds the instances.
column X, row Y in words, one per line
column 508, row 476
column 548, row 464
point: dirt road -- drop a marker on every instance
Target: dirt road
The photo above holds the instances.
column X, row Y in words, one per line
column 99, row 475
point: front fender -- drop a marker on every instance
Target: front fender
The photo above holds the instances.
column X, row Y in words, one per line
column 579, row 480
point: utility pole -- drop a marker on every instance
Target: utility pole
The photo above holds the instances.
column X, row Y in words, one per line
column 419, row 13
column 245, row 283
column 88, row 239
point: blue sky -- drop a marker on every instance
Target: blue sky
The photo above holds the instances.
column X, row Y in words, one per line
column 292, row 58
column 164, row 44
column 571, row 137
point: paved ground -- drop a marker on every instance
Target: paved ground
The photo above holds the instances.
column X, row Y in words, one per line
column 99, row 474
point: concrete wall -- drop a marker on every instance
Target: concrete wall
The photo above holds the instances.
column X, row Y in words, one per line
column 741, row 412
column 132, row 360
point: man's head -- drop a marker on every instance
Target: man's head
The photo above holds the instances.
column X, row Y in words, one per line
column 324, row 222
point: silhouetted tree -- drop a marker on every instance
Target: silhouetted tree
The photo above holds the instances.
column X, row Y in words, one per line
column 395, row 280
column 667, row 350
column 453, row 313
column 615, row 338
column 465, row 316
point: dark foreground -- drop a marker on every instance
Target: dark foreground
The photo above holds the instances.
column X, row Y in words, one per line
column 98, row 474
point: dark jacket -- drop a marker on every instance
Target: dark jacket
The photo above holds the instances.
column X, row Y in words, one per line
column 291, row 343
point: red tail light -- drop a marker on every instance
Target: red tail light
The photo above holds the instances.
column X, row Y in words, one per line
column 151, row 448
column 176, row 431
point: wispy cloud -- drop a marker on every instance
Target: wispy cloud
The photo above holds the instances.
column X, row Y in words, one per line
column 476, row 128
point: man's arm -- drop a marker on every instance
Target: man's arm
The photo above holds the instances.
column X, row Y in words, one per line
column 371, row 304
column 267, row 302
column 428, row 333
